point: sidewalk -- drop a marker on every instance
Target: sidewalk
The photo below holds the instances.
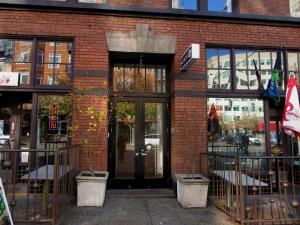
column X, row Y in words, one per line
column 138, row 209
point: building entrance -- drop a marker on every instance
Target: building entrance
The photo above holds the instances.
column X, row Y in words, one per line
column 138, row 151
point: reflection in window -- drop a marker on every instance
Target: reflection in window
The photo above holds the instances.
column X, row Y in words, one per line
column 125, row 136
column 220, row 5
column 241, row 125
column 295, row 8
column 293, row 63
column 54, row 119
column 54, row 63
column 139, row 78
column 15, row 56
column 185, row 4
column 92, row 1
column 154, row 140
column 218, row 64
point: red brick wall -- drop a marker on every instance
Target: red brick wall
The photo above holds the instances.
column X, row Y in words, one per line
column 188, row 114
column 160, row 4
column 265, row 7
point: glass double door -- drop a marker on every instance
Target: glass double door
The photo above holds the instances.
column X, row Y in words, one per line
column 138, row 143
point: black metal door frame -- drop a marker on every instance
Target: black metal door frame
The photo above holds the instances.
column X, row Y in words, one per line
column 139, row 181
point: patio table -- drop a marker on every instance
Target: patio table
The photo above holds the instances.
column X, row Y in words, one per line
column 45, row 173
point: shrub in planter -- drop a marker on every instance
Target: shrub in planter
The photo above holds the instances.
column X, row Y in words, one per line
column 91, row 184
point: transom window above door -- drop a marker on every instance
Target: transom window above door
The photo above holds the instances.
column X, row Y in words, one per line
column 139, row 78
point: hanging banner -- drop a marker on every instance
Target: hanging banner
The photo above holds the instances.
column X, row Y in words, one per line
column 53, row 117
column 291, row 114
column 5, row 216
column 9, row 79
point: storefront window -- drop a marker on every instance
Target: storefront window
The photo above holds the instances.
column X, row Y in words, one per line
column 218, row 68
column 219, row 71
column 54, row 63
column 16, row 56
column 237, row 126
column 54, row 119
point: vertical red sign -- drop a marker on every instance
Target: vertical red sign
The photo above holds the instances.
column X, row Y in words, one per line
column 53, row 117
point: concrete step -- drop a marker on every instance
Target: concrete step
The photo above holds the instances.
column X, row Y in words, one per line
column 140, row 193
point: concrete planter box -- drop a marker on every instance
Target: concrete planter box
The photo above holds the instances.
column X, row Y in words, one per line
column 192, row 190
column 91, row 190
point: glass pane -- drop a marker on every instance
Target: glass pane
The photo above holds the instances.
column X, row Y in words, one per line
column 212, row 79
column 54, row 119
column 161, row 79
column 241, row 126
column 154, row 140
column 150, row 78
column 224, row 57
column 164, row 79
column 253, row 82
column 274, row 57
column 240, row 59
column 219, row 5
column 252, row 55
column 129, row 78
column 293, row 62
column 22, row 51
column 45, row 74
column 63, row 50
column 6, row 50
column 118, row 77
column 265, row 77
column 225, row 82
column 24, row 70
column 140, row 78
column 185, row 4
column 242, row 79
column 265, row 61
column 92, row 1
column 6, row 66
column 46, row 49
column 212, row 58
column 62, row 75
column 125, row 136
column 25, row 126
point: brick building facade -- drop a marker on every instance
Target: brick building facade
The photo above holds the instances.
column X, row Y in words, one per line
column 252, row 25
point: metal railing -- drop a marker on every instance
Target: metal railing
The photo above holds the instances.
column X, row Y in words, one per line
column 255, row 189
column 39, row 183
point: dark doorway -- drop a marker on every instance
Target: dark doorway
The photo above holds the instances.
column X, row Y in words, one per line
column 138, row 146
column 139, row 121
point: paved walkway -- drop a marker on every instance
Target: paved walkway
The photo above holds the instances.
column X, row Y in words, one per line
column 142, row 210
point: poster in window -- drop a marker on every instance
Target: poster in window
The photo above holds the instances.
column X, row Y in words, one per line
column 5, row 215
column 9, row 79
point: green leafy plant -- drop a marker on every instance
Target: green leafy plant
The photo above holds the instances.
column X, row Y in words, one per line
column 89, row 120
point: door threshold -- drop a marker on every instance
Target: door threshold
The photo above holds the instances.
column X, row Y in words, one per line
column 140, row 193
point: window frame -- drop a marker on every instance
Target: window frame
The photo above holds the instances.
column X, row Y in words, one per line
column 233, row 69
column 34, row 63
column 202, row 5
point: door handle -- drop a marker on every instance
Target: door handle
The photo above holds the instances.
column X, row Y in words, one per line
column 143, row 152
